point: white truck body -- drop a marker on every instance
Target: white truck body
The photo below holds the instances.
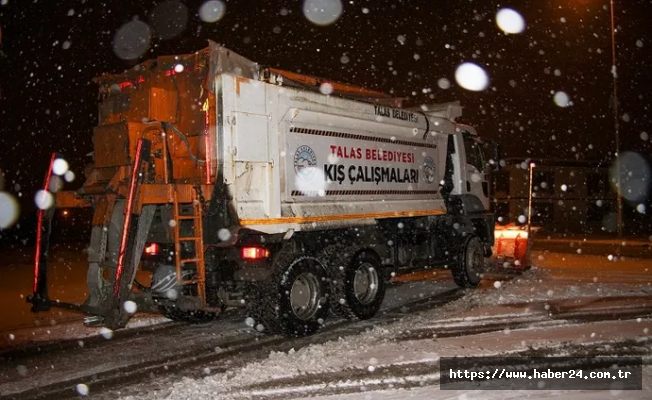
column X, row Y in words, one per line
column 295, row 159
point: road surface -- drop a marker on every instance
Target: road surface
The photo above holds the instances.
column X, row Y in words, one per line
column 568, row 303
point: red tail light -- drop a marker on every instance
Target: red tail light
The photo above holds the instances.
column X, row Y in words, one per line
column 152, row 249
column 254, row 253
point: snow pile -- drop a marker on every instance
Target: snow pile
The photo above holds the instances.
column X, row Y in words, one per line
column 318, row 358
column 358, row 359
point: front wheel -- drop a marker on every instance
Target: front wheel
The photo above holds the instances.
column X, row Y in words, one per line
column 468, row 268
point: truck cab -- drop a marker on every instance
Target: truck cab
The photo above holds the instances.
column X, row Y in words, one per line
column 471, row 176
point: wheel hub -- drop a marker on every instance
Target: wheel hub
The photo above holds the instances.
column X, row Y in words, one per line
column 365, row 283
column 475, row 260
column 305, row 296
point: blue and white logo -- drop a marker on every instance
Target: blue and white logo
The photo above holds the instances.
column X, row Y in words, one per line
column 429, row 169
column 305, row 163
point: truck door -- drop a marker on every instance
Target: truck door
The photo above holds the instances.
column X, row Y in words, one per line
column 476, row 171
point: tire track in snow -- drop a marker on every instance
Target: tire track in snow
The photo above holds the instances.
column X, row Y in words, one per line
column 235, row 346
column 403, row 376
column 236, row 350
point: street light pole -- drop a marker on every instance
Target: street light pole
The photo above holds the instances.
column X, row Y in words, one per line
column 529, row 207
column 614, row 74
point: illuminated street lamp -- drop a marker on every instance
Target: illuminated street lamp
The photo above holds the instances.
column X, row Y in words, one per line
column 529, row 208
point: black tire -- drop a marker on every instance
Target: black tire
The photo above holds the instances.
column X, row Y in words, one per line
column 189, row 316
column 270, row 303
column 469, row 266
column 344, row 265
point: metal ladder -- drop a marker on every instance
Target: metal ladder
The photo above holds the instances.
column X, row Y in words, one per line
column 197, row 237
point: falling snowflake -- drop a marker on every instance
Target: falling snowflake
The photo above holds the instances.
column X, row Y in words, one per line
column 471, row 77
column 561, row 99
column 212, row 11
column 82, row 389
column 322, row 12
column 130, row 307
column 510, row 21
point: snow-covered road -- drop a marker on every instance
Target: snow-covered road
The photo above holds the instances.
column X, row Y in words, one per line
column 392, row 362
column 583, row 307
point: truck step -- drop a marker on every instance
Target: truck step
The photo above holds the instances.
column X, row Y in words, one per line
column 186, row 217
column 93, row 320
column 191, row 281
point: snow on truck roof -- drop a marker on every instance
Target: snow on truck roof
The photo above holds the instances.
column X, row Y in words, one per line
column 221, row 60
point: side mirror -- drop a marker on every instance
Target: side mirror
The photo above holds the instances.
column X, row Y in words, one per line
column 493, row 152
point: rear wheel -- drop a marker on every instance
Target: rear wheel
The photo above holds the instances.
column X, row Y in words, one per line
column 357, row 282
column 468, row 269
column 294, row 301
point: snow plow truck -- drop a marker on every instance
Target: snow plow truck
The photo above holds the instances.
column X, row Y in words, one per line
column 234, row 184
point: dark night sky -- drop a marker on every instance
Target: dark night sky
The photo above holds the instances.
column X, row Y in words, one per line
column 48, row 102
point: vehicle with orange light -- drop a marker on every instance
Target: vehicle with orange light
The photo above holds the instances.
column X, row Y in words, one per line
column 237, row 184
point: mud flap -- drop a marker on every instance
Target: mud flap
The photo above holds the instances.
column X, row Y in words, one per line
column 126, row 236
column 120, row 291
column 94, row 280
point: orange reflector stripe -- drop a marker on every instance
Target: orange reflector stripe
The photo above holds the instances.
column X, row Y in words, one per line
column 327, row 218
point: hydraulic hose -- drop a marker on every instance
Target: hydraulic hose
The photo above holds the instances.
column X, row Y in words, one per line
column 184, row 139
